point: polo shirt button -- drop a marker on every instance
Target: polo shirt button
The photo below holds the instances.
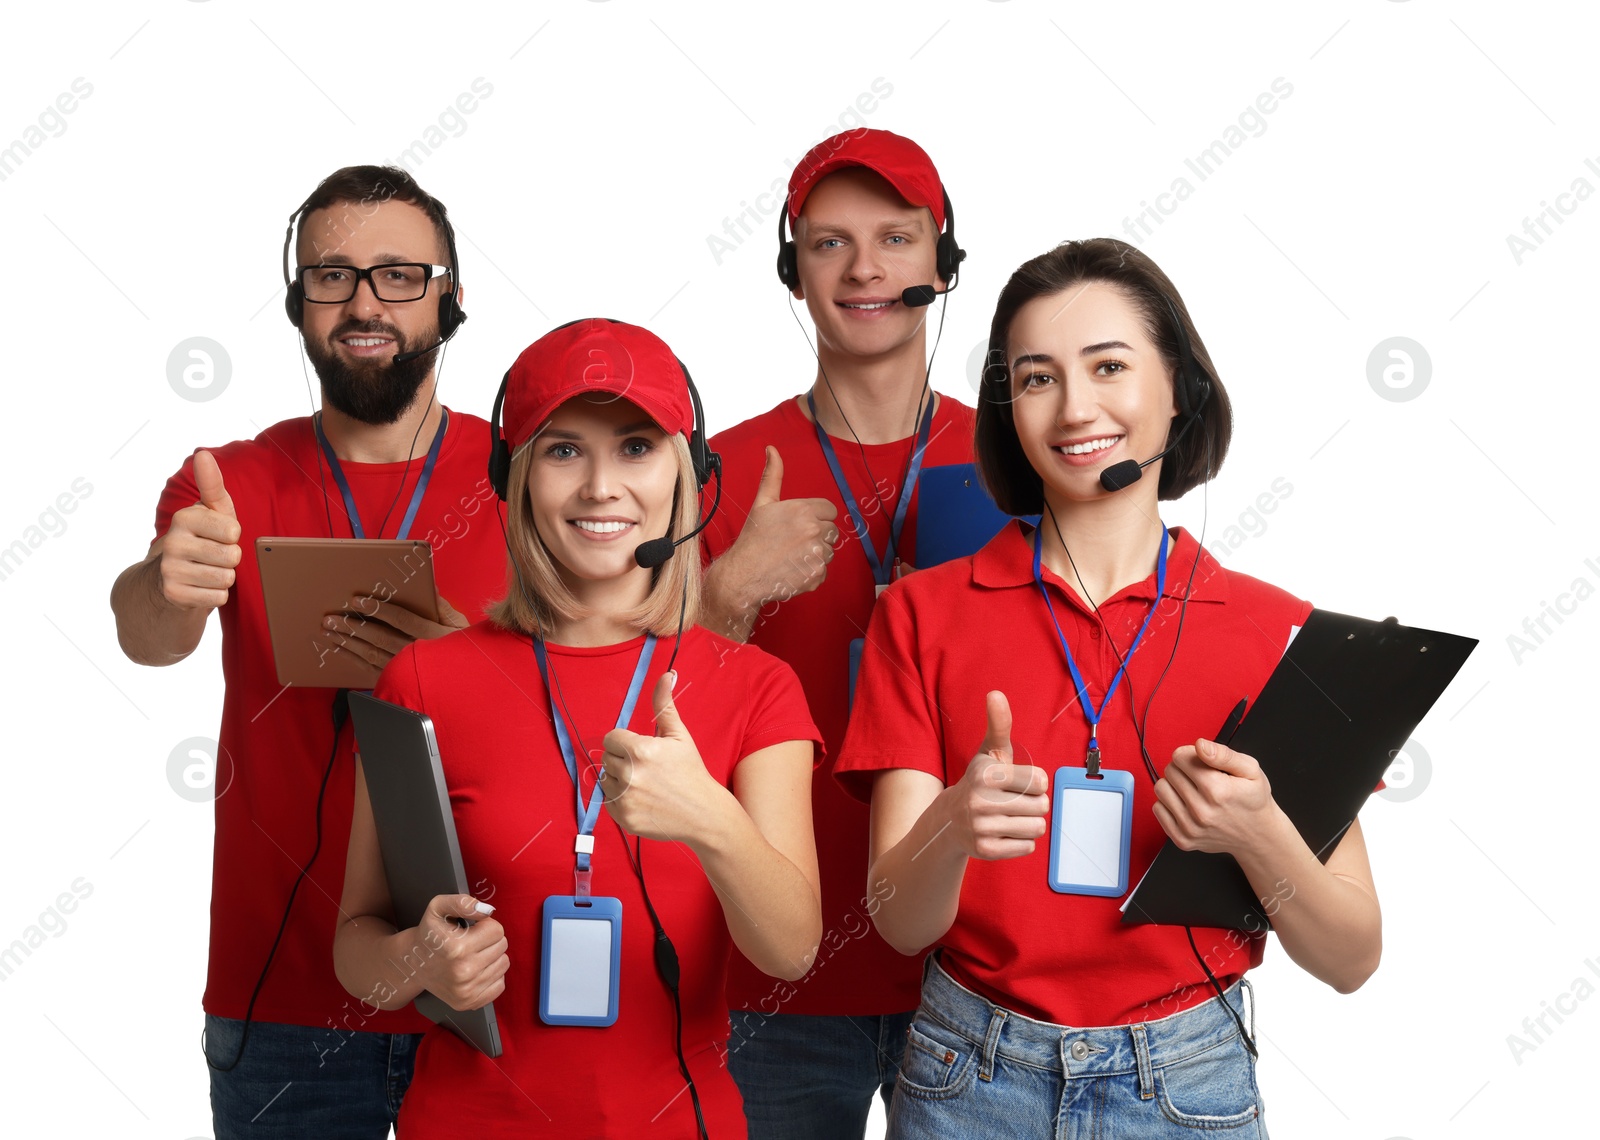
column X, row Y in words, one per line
column 1094, row 632
column 1080, row 1050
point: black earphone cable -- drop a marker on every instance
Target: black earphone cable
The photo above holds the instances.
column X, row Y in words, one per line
column 665, row 954
column 1141, row 724
column 923, row 393
column 341, row 713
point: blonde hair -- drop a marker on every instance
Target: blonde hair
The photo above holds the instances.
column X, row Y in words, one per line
column 536, row 597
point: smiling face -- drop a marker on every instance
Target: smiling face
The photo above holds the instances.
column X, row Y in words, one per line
column 859, row 244
column 1089, row 389
column 353, row 344
column 600, row 482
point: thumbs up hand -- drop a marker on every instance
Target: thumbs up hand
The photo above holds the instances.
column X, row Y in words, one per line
column 657, row 786
column 201, row 546
column 782, row 550
column 1000, row 807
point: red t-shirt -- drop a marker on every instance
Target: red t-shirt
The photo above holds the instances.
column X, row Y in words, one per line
column 514, row 811
column 944, row 637
column 274, row 742
column 857, row 972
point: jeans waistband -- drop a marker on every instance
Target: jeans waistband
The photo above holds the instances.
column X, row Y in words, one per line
column 1090, row 1051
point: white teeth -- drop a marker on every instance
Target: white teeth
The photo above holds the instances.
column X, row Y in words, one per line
column 600, row 527
column 873, row 305
column 365, row 341
column 1088, row 448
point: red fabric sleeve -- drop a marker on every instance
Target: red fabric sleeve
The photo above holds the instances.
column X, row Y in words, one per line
column 180, row 492
column 895, row 722
column 778, row 712
column 400, row 683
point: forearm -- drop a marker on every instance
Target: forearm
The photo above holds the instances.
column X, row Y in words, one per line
column 150, row 629
column 378, row 964
column 726, row 605
column 924, row 870
column 772, row 910
column 1328, row 924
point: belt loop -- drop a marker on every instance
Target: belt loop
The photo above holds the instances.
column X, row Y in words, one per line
column 991, row 1043
column 1141, row 1053
column 1247, row 990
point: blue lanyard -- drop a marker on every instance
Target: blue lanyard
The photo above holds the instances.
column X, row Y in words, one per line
column 583, row 846
column 416, row 493
column 883, row 567
column 1090, row 713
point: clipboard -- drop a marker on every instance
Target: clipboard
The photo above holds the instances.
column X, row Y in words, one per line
column 417, row 836
column 1328, row 723
column 955, row 514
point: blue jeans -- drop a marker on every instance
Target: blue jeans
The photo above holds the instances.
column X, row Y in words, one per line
column 297, row 1080
column 974, row 1069
column 804, row 1076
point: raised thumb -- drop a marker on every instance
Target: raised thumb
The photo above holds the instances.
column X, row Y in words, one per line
column 997, row 739
column 771, row 487
column 208, row 481
column 667, row 722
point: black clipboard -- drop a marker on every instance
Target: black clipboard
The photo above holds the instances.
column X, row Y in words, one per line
column 1328, row 723
column 417, row 836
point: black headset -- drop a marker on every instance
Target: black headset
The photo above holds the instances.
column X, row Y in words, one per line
column 706, row 462
column 1190, row 384
column 451, row 314
column 948, row 256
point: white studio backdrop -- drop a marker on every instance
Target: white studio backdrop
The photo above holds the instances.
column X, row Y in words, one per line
column 1382, row 216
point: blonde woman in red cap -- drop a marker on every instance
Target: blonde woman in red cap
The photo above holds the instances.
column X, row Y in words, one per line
column 823, row 514
column 705, row 834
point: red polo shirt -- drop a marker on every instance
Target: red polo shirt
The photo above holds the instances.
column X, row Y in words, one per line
column 943, row 637
column 857, row 972
column 275, row 740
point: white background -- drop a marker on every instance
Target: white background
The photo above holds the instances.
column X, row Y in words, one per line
column 617, row 138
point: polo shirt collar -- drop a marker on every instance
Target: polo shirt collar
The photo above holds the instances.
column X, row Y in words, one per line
column 1007, row 561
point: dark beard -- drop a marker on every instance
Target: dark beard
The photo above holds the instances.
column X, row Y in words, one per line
column 373, row 392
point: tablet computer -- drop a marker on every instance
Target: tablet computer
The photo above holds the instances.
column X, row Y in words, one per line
column 417, row 836
column 305, row 579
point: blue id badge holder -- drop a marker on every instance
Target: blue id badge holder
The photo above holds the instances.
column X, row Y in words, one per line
column 1091, row 826
column 580, row 973
column 856, row 648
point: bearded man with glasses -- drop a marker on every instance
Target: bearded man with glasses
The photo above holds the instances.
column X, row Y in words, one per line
column 373, row 290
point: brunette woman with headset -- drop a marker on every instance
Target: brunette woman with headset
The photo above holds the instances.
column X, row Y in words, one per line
column 706, row 834
column 1102, row 650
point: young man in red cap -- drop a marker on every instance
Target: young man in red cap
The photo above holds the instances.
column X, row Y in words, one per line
column 374, row 292
column 819, row 514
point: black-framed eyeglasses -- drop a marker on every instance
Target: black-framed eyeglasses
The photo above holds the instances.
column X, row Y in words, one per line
column 399, row 281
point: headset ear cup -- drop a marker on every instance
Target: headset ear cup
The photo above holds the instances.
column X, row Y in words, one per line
column 450, row 315
column 948, row 256
column 788, row 266
column 500, row 468
column 698, row 457
column 294, row 305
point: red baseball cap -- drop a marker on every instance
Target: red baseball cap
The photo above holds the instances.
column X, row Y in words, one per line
column 901, row 162
column 595, row 355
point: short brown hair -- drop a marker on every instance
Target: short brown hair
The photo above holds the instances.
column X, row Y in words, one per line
column 536, row 597
column 1002, row 465
column 359, row 185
